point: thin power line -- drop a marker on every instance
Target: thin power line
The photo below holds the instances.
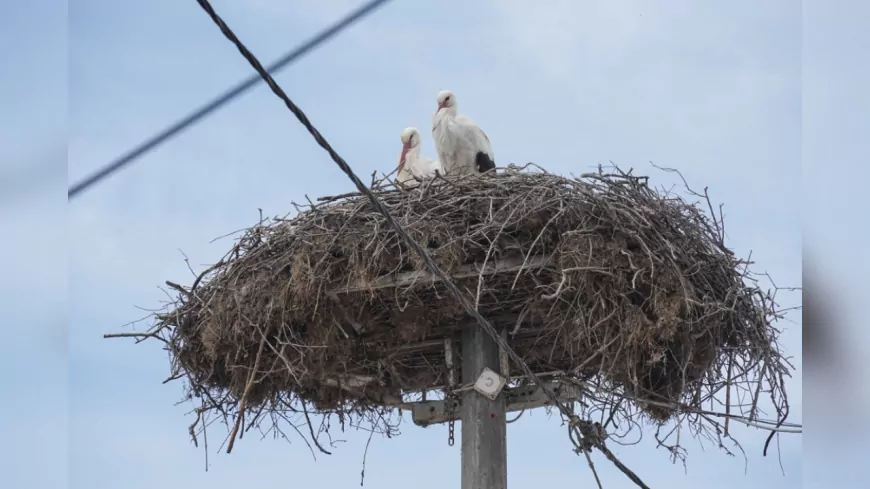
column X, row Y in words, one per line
column 230, row 94
column 427, row 260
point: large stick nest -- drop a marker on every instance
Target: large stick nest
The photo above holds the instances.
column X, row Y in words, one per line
column 600, row 278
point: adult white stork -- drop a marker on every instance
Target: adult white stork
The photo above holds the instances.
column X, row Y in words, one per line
column 462, row 146
column 412, row 166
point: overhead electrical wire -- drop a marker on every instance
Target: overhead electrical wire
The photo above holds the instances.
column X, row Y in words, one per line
column 182, row 124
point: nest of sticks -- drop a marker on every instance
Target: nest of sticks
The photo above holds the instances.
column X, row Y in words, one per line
column 601, row 280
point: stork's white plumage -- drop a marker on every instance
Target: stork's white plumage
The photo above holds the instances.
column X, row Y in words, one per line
column 462, row 146
column 412, row 166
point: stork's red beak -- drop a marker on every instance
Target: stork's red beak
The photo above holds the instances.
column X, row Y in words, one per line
column 440, row 106
column 405, row 148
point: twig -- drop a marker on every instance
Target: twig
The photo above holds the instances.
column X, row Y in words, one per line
column 241, row 415
column 362, row 475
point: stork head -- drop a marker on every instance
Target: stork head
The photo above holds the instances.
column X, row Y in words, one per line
column 410, row 141
column 447, row 101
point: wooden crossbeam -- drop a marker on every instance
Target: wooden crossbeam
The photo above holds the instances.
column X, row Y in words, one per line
column 405, row 279
column 356, row 385
column 527, row 397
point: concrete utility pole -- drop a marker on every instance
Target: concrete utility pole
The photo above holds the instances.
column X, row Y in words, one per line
column 484, row 421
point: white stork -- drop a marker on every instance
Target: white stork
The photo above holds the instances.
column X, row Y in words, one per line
column 462, row 146
column 412, row 166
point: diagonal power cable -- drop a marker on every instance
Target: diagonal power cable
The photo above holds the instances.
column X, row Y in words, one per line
column 227, row 96
column 424, row 256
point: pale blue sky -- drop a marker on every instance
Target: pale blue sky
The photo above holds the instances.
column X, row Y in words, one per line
column 714, row 91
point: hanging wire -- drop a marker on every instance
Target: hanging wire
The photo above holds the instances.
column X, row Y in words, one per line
column 161, row 137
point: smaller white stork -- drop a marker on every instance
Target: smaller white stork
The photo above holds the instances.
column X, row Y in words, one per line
column 462, row 146
column 412, row 166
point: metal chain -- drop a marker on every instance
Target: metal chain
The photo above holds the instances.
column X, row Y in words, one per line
column 451, row 415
